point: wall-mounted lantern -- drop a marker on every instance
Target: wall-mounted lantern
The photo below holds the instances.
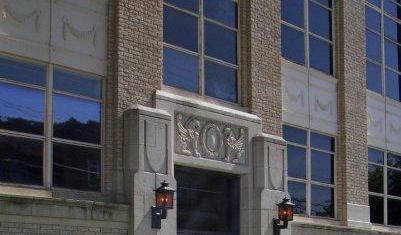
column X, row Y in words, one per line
column 164, row 201
column 285, row 214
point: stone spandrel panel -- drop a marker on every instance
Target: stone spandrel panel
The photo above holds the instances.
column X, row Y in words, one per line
column 25, row 27
column 79, row 35
column 376, row 120
column 209, row 139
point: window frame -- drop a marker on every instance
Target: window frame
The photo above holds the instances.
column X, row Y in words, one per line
column 385, row 196
column 201, row 19
column 308, row 181
column 307, row 33
column 48, row 138
column 383, row 38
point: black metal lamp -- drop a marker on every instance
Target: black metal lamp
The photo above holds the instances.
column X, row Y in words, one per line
column 285, row 214
column 164, row 201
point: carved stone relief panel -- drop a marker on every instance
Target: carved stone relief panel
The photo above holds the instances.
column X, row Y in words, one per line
column 155, row 146
column 276, row 167
column 25, row 19
column 376, row 121
column 203, row 138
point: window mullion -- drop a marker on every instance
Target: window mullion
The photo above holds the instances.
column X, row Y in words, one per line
column 201, row 46
column 385, row 217
column 308, row 177
column 306, row 30
column 48, row 156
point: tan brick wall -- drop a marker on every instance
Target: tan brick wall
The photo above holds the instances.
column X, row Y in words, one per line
column 352, row 141
column 136, row 66
column 261, row 61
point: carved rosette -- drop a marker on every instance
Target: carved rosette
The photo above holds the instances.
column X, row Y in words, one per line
column 204, row 138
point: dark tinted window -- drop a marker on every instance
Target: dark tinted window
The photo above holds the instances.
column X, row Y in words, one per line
column 392, row 8
column 373, row 77
column 392, row 55
column 322, row 142
column 292, row 45
column 394, row 160
column 376, row 156
column 319, row 20
column 375, row 178
column 322, row 201
column 21, row 160
column 22, row 72
column 372, row 19
column 327, row 3
column 376, row 209
column 220, row 43
column 180, row 70
column 21, row 109
column 394, row 182
column 392, row 85
column 375, row 2
column 392, row 29
column 320, row 55
column 298, row 196
column 76, row 167
column 293, row 12
column 76, row 119
column 190, row 5
column 296, row 162
column 294, row 135
column 373, row 46
column 224, row 11
column 207, row 202
column 180, row 29
column 322, row 167
column 220, row 81
column 77, row 84
column 394, row 212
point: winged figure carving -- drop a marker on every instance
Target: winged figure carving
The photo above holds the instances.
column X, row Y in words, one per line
column 234, row 146
column 188, row 134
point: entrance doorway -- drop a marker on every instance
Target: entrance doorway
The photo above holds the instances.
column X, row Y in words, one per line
column 207, row 202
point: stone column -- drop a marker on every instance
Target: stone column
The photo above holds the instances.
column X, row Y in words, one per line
column 147, row 161
column 352, row 178
column 270, row 170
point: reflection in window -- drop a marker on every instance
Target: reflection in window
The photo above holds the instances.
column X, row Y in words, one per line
column 392, row 85
column 296, row 162
column 220, row 81
column 375, row 178
column 21, row 109
column 372, row 19
column 373, row 46
column 21, row 160
column 373, row 77
column 77, row 84
column 76, row 167
column 394, row 212
column 322, row 201
column 19, row 71
column 310, row 166
column 394, row 182
column 190, row 5
column 217, row 38
column 180, row 70
column 376, row 205
column 319, row 32
column 207, row 202
column 76, row 119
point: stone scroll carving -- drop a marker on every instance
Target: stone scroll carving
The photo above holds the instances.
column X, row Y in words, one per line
column 19, row 17
column 209, row 139
column 323, row 107
column 79, row 34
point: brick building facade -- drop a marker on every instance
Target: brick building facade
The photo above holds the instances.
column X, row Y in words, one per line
column 102, row 100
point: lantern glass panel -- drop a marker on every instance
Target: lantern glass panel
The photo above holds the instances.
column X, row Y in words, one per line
column 168, row 200
column 159, row 199
column 290, row 213
column 282, row 213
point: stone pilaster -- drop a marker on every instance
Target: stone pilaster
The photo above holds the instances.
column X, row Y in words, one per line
column 147, row 162
column 270, row 170
column 353, row 199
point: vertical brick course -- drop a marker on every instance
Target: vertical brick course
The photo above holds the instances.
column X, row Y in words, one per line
column 261, row 61
column 352, row 154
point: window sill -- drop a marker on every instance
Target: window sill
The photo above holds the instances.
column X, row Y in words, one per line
column 25, row 192
column 317, row 220
column 386, row 228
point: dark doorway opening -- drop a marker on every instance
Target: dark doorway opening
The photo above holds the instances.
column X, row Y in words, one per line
column 207, row 202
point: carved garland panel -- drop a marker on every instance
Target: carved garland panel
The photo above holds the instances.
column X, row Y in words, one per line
column 203, row 138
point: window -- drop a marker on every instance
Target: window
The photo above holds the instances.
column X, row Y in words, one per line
column 207, row 202
column 311, row 183
column 383, row 43
column 315, row 29
column 384, row 187
column 39, row 122
column 200, row 47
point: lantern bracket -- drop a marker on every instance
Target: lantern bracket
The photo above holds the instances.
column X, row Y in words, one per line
column 277, row 226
